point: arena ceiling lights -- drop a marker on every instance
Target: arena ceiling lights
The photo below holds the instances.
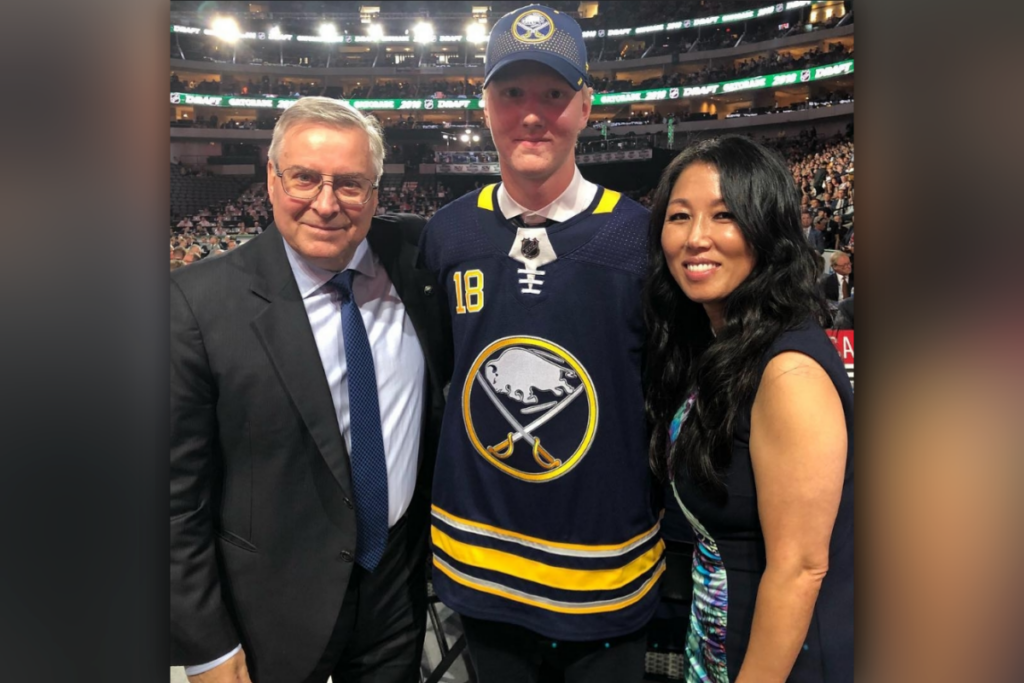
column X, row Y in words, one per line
column 423, row 33
column 375, row 32
column 476, row 33
column 479, row 13
column 226, row 29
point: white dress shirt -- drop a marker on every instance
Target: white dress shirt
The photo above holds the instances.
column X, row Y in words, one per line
column 573, row 201
column 842, row 279
column 397, row 359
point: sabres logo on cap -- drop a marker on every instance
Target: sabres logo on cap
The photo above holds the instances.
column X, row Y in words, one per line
column 533, row 26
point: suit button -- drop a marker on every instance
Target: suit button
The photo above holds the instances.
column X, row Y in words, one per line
column 347, row 556
column 348, row 502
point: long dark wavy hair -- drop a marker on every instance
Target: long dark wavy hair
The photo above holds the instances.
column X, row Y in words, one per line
column 780, row 293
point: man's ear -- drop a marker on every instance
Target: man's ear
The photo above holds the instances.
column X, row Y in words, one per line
column 588, row 100
column 483, row 103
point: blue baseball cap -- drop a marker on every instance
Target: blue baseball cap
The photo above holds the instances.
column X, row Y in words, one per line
column 540, row 34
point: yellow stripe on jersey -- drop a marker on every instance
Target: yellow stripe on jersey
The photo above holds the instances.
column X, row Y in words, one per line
column 486, row 198
column 544, row 603
column 608, row 201
column 545, row 574
column 554, row 547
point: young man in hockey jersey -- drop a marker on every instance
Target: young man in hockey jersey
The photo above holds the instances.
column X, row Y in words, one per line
column 544, row 538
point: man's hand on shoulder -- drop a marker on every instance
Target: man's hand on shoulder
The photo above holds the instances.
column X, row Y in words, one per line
column 231, row 671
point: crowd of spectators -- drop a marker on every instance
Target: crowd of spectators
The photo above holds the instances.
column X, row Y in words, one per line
column 458, row 89
column 189, row 248
column 203, row 87
column 774, row 62
column 213, row 121
column 412, row 197
column 401, row 89
column 477, row 155
column 393, row 89
column 266, row 88
column 632, row 118
column 825, row 99
column 182, row 169
column 219, row 228
column 823, row 169
column 629, row 141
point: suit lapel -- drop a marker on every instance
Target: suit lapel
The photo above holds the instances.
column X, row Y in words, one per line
column 284, row 329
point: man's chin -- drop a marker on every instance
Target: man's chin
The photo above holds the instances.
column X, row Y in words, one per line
column 532, row 168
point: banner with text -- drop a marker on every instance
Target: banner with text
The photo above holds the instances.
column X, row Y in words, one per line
column 843, row 341
column 815, row 73
column 259, row 102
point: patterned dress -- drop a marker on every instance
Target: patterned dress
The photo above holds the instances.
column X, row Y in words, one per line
column 705, row 640
column 729, row 553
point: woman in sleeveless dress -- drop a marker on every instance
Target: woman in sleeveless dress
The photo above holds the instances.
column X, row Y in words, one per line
column 753, row 419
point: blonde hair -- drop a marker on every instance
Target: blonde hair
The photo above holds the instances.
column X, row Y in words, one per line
column 836, row 255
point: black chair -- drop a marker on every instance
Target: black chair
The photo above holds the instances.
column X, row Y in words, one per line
column 448, row 653
column 666, row 634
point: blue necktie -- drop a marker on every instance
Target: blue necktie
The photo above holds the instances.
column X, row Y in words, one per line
column 369, row 469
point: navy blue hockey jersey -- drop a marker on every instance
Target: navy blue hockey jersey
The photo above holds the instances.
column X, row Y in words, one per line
column 541, row 503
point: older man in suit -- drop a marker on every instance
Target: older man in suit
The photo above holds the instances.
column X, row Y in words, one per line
column 838, row 284
column 307, row 375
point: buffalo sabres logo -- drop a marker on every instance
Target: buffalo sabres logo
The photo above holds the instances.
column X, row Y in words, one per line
column 531, row 247
column 533, row 27
column 515, row 390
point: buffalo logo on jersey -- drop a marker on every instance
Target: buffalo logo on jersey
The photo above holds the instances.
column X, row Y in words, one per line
column 533, row 27
column 530, row 408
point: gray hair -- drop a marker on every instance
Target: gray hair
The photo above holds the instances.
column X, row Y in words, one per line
column 324, row 110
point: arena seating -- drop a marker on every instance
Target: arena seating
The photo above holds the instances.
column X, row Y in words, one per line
column 191, row 193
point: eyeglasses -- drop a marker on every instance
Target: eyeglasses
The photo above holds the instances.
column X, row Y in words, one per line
column 305, row 184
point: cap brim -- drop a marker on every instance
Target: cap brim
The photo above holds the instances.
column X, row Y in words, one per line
column 573, row 76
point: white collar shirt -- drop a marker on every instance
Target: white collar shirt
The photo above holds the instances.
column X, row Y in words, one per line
column 841, row 279
column 573, row 201
column 397, row 357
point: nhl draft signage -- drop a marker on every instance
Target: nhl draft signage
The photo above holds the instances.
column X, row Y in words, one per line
column 843, row 341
